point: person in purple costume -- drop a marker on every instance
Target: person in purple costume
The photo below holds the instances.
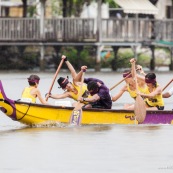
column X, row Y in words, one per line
column 100, row 94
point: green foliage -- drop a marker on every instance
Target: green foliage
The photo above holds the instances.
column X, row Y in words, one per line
column 56, row 8
column 107, row 62
column 31, row 11
column 144, row 60
column 13, row 59
column 87, row 59
column 8, row 56
column 28, row 61
column 24, row 58
column 112, row 3
column 71, row 53
column 74, row 7
column 122, row 59
column 76, row 58
column 166, row 49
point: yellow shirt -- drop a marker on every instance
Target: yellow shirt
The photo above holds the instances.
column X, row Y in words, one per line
column 27, row 94
column 84, row 90
column 156, row 100
column 133, row 92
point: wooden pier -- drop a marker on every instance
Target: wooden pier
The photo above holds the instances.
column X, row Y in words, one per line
column 114, row 32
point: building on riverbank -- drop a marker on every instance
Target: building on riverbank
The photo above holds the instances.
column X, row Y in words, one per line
column 137, row 27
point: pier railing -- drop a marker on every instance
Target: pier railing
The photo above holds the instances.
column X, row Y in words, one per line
column 85, row 30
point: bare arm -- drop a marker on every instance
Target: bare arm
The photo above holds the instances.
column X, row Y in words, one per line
column 132, row 61
column 141, row 78
column 152, row 94
column 94, row 98
column 79, row 75
column 140, row 69
column 60, row 96
column 70, row 67
column 141, row 81
column 40, row 97
column 117, row 96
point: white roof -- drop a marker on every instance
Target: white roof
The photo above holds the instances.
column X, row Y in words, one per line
column 16, row 3
column 137, row 6
column 10, row 4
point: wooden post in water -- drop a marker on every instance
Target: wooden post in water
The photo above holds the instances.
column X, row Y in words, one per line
column 42, row 53
column 42, row 35
column 152, row 62
column 114, row 61
column 99, row 31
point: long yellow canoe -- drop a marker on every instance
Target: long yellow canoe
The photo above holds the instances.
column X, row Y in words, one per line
column 31, row 113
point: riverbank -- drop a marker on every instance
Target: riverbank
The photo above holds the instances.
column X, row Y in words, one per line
column 50, row 70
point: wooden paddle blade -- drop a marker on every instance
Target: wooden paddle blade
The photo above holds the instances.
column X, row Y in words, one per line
column 76, row 115
column 140, row 109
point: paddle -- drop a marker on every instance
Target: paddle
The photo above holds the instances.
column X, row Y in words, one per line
column 76, row 115
column 119, row 82
column 167, row 85
column 54, row 78
column 140, row 108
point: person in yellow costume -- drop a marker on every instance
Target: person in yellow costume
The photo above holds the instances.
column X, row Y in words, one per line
column 71, row 89
column 31, row 92
column 153, row 95
column 130, row 86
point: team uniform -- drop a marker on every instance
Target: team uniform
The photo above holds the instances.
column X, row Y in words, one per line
column 133, row 92
column 156, row 101
column 27, row 94
column 85, row 92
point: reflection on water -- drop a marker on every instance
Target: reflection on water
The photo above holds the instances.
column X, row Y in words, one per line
column 56, row 147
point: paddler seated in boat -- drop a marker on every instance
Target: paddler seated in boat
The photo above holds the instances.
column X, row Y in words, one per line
column 100, row 94
column 31, row 92
column 71, row 88
column 153, row 95
column 130, row 85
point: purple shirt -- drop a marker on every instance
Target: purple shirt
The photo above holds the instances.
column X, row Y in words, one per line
column 103, row 92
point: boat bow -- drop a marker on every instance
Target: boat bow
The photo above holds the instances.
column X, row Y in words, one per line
column 7, row 105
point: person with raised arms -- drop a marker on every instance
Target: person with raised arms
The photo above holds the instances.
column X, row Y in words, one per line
column 130, row 85
column 71, row 89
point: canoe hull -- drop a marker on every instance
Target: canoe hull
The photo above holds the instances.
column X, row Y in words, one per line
column 36, row 113
column 30, row 113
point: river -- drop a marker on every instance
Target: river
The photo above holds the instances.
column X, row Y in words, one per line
column 84, row 149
